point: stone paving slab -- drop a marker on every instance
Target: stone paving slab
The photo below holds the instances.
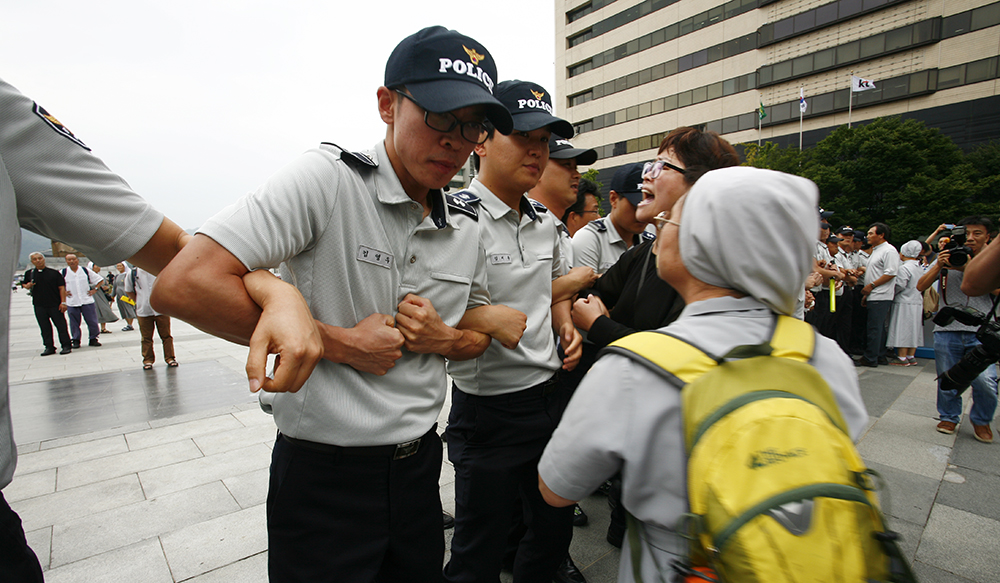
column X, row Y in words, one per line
column 203, row 470
column 143, row 561
column 215, row 543
column 961, row 542
column 66, row 505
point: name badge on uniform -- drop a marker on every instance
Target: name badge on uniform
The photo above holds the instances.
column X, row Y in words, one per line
column 500, row 258
column 375, row 257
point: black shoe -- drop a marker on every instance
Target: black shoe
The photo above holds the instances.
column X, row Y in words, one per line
column 865, row 362
column 605, row 487
column 616, row 534
column 883, row 360
column 75, row 344
column 66, row 350
column 94, row 342
column 579, row 516
column 449, row 521
column 49, row 351
column 568, row 573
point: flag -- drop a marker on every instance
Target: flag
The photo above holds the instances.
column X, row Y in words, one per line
column 760, row 111
column 802, row 100
column 859, row 84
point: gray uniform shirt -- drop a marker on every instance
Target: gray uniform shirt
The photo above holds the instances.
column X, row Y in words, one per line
column 522, row 259
column 51, row 184
column 599, row 246
column 355, row 244
column 625, row 417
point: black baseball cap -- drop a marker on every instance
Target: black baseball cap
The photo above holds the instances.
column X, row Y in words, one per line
column 562, row 149
column 627, row 182
column 833, row 239
column 845, row 231
column 531, row 107
column 860, row 235
column 444, row 70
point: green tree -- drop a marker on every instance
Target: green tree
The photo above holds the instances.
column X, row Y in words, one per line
column 986, row 161
column 772, row 157
column 897, row 172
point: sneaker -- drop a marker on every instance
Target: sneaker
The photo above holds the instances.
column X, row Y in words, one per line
column 66, row 350
column 912, row 360
column 49, row 351
column 947, row 427
column 579, row 516
column 983, row 433
column 94, row 342
column 900, row 362
column 127, row 329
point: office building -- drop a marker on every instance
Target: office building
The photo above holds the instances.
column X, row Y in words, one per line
column 629, row 71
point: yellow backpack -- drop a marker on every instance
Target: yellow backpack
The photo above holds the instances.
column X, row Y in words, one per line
column 777, row 490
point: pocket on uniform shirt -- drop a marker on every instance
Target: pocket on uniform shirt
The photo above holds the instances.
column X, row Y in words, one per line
column 452, row 277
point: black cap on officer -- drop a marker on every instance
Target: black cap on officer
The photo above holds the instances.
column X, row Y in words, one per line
column 444, row 70
column 627, row 182
column 562, row 149
column 531, row 107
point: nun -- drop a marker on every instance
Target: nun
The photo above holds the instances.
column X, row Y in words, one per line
column 625, row 417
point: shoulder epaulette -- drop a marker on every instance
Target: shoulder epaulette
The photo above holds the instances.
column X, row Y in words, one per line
column 646, row 236
column 538, row 206
column 464, row 202
column 599, row 225
column 355, row 159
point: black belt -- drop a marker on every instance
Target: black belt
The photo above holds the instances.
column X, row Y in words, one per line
column 396, row 452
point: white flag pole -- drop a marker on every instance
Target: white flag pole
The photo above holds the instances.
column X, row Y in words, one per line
column 801, row 111
column 850, row 97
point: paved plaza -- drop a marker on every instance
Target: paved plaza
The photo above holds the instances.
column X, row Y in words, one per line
column 161, row 476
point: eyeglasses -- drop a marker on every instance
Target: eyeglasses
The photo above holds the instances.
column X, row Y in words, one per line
column 472, row 131
column 661, row 220
column 654, row 168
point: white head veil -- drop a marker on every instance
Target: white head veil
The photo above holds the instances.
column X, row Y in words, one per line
column 911, row 249
column 753, row 231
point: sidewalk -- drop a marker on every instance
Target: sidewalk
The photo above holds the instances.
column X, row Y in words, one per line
column 161, row 476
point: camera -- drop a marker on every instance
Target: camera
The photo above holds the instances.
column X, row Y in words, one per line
column 960, row 376
column 954, row 242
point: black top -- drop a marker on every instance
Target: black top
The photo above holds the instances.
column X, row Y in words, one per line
column 45, row 292
column 632, row 309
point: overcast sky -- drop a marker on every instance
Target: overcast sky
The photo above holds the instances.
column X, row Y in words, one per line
column 196, row 102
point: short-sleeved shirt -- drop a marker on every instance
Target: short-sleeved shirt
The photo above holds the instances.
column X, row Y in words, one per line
column 598, row 245
column 565, row 246
column 51, row 184
column 45, row 292
column 522, row 259
column 625, row 417
column 78, row 283
column 355, row 244
column 949, row 287
column 822, row 254
column 140, row 282
column 884, row 260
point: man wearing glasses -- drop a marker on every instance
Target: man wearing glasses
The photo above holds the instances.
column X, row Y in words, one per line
column 388, row 265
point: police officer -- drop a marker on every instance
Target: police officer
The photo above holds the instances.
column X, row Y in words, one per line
column 555, row 192
column 505, row 404
column 388, row 265
column 46, row 170
column 599, row 244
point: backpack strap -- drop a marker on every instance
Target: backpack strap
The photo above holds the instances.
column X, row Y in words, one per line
column 679, row 361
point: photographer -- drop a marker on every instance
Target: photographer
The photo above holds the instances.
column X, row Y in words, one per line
column 955, row 340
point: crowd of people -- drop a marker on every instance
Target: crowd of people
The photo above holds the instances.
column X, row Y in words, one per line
column 874, row 299
column 389, row 285
column 82, row 294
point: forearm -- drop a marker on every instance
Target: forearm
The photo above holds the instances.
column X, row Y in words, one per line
column 982, row 274
column 563, row 288
column 62, row 295
column 204, row 286
column 162, row 247
column 562, row 314
column 928, row 278
column 469, row 344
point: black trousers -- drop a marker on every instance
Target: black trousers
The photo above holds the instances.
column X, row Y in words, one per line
column 820, row 316
column 46, row 315
column 336, row 518
column 878, row 329
column 18, row 563
column 845, row 318
column 495, row 444
column 859, row 323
